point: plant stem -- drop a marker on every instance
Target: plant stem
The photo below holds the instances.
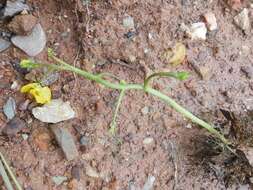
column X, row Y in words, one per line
column 113, row 123
column 10, row 172
column 124, row 86
column 5, row 177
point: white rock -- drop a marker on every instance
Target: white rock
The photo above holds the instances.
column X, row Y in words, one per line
column 54, row 112
column 32, row 44
column 128, row 22
column 58, row 180
column 198, row 31
column 148, row 140
column 242, row 20
column 211, row 21
column 91, row 172
column 149, row 183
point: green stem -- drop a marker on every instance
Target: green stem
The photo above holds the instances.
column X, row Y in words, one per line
column 5, row 177
column 124, row 86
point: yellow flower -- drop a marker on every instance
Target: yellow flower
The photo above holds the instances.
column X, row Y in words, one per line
column 41, row 94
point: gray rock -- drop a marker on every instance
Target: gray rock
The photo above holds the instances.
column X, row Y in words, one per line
column 58, row 180
column 54, row 112
column 65, row 141
column 84, row 141
column 75, row 172
column 4, row 44
column 9, row 108
column 32, row 44
column 13, row 127
column 242, row 20
column 149, row 183
column 91, row 172
column 14, row 7
column 248, row 71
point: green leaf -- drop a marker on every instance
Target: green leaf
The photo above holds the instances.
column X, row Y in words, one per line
column 179, row 75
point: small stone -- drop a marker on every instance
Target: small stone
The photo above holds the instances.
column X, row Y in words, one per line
column 75, row 172
column 4, row 44
column 148, row 140
column 9, row 108
column 58, row 180
column 128, row 22
column 65, row 141
column 32, row 44
column 42, row 139
column 13, row 127
column 91, row 172
column 149, row 183
column 145, row 110
column 22, row 24
column 14, row 7
column 248, row 71
column 211, row 21
column 14, row 85
column 49, row 79
column 24, row 105
column 188, row 126
column 242, row 20
column 198, row 31
column 54, row 112
column 25, row 136
column 84, row 141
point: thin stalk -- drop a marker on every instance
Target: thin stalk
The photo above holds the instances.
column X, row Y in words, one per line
column 113, row 123
column 5, row 177
column 10, row 172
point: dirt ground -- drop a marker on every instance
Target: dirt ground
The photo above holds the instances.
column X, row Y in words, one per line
column 91, row 36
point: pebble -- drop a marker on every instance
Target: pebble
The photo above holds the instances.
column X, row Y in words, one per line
column 128, row 22
column 58, row 180
column 14, row 85
column 211, row 21
column 197, row 31
column 13, row 7
column 32, row 44
column 65, row 141
column 4, row 44
column 25, row 136
column 149, row 183
column 22, row 24
column 42, row 139
column 13, row 126
column 248, row 71
column 24, row 105
column 91, row 172
column 148, row 140
column 9, row 108
column 242, row 20
column 49, row 79
column 75, row 172
column 54, row 112
column 84, row 141
column 145, row 110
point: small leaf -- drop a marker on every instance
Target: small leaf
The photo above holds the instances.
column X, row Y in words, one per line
column 41, row 94
column 176, row 55
column 180, row 75
column 28, row 64
column 50, row 52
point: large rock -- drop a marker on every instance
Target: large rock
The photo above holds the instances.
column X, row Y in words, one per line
column 32, row 44
column 13, row 7
column 13, row 127
column 54, row 112
column 65, row 141
column 22, row 24
column 9, row 108
column 242, row 20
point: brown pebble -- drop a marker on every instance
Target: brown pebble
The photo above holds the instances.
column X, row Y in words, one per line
column 22, row 24
column 73, row 184
column 13, row 126
column 42, row 139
